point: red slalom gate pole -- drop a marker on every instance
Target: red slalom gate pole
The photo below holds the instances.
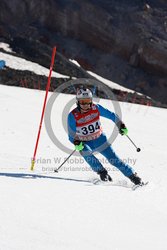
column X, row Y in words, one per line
column 43, row 110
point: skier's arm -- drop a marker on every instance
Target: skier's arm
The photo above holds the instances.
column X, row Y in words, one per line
column 108, row 114
column 115, row 118
column 71, row 127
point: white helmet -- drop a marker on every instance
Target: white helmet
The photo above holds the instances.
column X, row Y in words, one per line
column 84, row 94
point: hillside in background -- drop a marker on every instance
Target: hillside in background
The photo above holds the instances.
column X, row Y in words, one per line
column 123, row 41
column 23, row 73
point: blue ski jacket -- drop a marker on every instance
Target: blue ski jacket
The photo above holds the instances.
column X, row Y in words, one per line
column 103, row 112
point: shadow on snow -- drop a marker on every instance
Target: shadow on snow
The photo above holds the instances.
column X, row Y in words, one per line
column 35, row 176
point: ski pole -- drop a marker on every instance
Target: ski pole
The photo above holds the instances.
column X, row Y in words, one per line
column 56, row 170
column 137, row 149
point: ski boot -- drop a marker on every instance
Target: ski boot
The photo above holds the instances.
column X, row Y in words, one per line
column 135, row 179
column 104, row 176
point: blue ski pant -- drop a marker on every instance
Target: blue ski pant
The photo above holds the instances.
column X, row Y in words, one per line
column 102, row 146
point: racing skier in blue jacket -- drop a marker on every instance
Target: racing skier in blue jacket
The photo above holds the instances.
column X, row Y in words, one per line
column 85, row 132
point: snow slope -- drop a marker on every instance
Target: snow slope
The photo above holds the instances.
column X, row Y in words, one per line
column 16, row 62
column 111, row 84
column 42, row 210
column 5, row 47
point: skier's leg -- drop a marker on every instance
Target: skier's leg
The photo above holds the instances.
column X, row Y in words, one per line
column 109, row 153
column 94, row 163
column 124, row 168
column 117, row 162
column 111, row 156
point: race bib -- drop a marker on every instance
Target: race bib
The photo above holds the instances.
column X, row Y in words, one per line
column 88, row 126
column 90, row 131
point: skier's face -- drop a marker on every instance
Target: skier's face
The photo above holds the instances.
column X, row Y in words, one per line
column 85, row 105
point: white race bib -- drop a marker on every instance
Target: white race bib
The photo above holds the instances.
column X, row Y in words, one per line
column 90, row 131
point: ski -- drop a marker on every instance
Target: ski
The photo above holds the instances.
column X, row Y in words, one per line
column 143, row 184
column 116, row 183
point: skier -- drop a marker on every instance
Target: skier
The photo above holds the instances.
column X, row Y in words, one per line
column 85, row 132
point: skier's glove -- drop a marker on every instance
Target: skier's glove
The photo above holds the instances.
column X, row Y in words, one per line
column 123, row 129
column 78, row 145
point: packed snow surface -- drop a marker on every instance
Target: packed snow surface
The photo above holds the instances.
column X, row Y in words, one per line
column 44, row 210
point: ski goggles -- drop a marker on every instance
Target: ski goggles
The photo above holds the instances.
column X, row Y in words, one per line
column 85, row 102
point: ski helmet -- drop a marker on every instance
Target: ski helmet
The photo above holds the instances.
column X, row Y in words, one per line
column 84, row 94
